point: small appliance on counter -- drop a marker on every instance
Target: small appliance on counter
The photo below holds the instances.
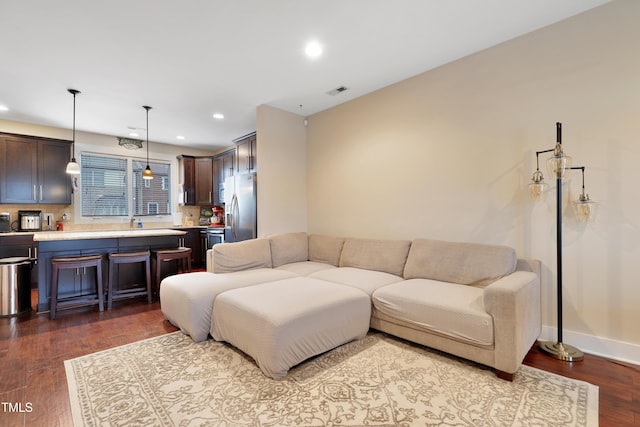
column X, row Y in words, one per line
column 29, row 220
column 217, row 219
column 5, row 222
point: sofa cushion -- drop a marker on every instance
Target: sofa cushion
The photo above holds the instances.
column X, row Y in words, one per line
column 379, row 255
column 325, row 249
column 248, row 254
column 289, row 248
column 448, row 309
column 365, row 280
column 463, row 263
column 305, row 268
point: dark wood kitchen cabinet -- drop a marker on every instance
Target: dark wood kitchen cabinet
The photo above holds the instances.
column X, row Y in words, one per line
column 197, row 180
column 32, row 170
column 188, row 170
column 223, row 167
column 204, row 181
column 246, row 154
column 192, row 240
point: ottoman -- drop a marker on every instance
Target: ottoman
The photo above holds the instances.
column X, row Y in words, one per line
column 281, row 323
column 186, row 299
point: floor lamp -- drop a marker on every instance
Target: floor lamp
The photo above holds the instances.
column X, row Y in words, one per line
column 585, row 211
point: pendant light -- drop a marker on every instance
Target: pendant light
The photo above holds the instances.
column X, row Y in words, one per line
column 73, row 168
column 147, row 174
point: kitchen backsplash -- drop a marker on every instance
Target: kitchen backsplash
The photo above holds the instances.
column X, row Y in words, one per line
column 185, row 212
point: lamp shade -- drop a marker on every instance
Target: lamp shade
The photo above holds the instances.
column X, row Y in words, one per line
column 585, row 209
column 147, row 174
column 537, row 187
column 73, row 168
column 558, row 164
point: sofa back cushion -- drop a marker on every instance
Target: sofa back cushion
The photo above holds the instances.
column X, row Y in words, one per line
column 463, row 263
column 289, row 248
column 248, row 254
column 325, row 249
column 379, row 255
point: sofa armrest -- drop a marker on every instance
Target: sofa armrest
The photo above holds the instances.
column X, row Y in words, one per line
column 514, row 304
column 210, row 260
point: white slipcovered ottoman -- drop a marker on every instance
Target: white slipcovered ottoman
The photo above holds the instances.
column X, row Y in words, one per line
column 280, row 324
column 186, row 299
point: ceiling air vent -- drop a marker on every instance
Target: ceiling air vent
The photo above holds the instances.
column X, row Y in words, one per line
column 337, row 90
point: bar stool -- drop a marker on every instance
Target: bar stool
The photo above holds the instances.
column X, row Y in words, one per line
column 116, row 258
column 181, row 254
column 68, row 262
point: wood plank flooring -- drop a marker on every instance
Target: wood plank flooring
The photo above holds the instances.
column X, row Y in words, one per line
column 33, row 385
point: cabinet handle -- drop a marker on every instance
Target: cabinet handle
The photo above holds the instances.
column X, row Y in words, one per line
column 34, row 193
column 209, row 196
column 35, row 255
column 40, row 192
column 29, row 253
column 186, row 199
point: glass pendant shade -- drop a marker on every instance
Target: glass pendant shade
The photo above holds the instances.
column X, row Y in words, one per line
column 585, row 209
column 559, row 163
column 147, row 174
column 537, row 187
column 73, row 168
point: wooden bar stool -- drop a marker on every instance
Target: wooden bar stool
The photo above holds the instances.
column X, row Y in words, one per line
column 181, row 254
column 128, row 258
column 68, row 262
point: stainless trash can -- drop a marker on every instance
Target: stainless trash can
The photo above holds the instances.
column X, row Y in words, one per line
column 15, row 286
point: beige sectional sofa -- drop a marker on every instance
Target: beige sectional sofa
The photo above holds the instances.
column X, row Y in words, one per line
column 472, row 300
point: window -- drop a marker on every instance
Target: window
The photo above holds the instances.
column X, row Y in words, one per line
column 104, row 186
column 148, row 198
column 113, row 186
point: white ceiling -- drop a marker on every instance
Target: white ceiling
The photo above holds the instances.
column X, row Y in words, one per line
column 192, row 58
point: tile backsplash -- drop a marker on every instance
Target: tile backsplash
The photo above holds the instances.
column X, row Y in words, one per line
column 57, row 212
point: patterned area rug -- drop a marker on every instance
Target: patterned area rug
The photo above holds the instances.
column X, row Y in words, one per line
column 377, row 381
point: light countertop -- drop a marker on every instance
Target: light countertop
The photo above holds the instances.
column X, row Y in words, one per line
column 48, row 236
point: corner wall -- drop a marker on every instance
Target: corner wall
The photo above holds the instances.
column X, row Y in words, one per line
column 449, row 153
column 282, row 180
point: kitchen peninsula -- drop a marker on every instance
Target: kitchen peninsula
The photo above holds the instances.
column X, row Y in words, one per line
column 78, row 283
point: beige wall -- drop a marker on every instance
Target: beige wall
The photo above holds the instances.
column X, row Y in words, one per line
column 281, row 171
column 448, row 154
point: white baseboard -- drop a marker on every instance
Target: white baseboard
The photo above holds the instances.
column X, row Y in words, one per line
column 611, row 349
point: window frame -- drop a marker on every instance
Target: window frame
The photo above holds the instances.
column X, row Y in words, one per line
column 118, row 221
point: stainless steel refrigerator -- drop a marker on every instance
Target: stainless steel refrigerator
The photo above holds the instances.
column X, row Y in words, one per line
column 240, row 207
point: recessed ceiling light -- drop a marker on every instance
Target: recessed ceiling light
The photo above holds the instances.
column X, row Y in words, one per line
column 218, row 116
column 180, row 137
column 313, row 50
column 3, row 108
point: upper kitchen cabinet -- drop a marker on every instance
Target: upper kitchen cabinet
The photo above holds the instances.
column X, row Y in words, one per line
column 188, row 179
column 32, row 170
column 204, row 181
column 246, row 153
column 197, row 180
column 223, row 167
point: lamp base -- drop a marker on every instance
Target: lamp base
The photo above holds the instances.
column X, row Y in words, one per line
column 561, row 351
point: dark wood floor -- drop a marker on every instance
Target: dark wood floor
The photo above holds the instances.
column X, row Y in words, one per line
column 33, row 349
